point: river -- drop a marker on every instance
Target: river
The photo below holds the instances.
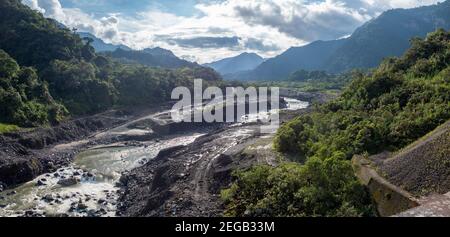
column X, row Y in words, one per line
column 89, row 186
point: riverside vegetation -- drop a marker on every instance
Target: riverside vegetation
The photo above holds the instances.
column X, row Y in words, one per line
column 387, row 109
column 48, row 73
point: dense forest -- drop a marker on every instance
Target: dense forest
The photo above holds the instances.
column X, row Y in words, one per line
column 397, row 103
column 47, row 73
column 100, row 45
column 154, row 57
column 319, row 81
column 312, row 81
column 24, row 99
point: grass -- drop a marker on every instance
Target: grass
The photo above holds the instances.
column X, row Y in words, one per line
column 4, row 128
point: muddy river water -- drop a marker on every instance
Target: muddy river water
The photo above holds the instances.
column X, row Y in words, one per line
column 89, row 186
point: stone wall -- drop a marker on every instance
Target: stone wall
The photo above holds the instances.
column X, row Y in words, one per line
column 389, row 199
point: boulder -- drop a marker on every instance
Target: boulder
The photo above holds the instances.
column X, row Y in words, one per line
column 40, row 183
column 48, row 198
column 68, row 182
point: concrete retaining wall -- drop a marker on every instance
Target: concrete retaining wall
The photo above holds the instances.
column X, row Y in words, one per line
column 390, row 199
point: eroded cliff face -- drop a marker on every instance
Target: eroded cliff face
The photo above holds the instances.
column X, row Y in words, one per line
column 27, row 154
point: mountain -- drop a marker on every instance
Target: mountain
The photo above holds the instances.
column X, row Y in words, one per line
column 385, row 36
column 48, row 73
column 388, row 35
column 403, row 100
column 100, row 45
column 154, row 57
column 309, row 57
column 242, row 62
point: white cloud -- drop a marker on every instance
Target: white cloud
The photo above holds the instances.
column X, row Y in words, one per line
column 52, row 8
column 388, row 4
column 307, row 21
column 33, row 4
column 266, row 27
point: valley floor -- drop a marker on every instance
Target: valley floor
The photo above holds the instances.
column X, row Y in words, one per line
column 187, row 180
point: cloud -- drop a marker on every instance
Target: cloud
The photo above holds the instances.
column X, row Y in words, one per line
column 316, row 20
column 206, row 42
column 111, row 20
column 260, row 45
column 219, row 29
column 33, row 4
column 52, row 8
column 105, row 27
column 383, row 5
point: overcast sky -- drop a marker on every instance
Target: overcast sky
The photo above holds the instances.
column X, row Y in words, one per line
column 203, row 31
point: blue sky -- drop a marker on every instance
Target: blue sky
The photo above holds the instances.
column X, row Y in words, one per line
column 104, row 7
column 204, row 31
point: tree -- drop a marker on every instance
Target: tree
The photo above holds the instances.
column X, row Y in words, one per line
column 387, row 109
column 24, row 99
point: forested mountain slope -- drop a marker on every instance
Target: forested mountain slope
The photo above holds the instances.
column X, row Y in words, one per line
column 388, row 35
column 67, row 76
column 100, row 45
column 385, row 36
column 153, row 57
column 401, row 101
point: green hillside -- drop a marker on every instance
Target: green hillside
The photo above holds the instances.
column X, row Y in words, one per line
column 48, row 73
column 401, row 101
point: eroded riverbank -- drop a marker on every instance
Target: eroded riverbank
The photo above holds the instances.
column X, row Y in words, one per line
column 186, row 181
column 184, row 171
column 88, row 186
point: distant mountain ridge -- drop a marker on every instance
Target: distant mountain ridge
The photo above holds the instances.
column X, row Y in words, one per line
column 309, row 57
column 385, row 36
column 388, row 35
column 100, row 45
column 242, row 62
column 153, row 57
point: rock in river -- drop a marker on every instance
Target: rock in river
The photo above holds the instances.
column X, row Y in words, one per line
column 48, row 198
column 82, row 206
column 68, row 182
column 40, row 183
